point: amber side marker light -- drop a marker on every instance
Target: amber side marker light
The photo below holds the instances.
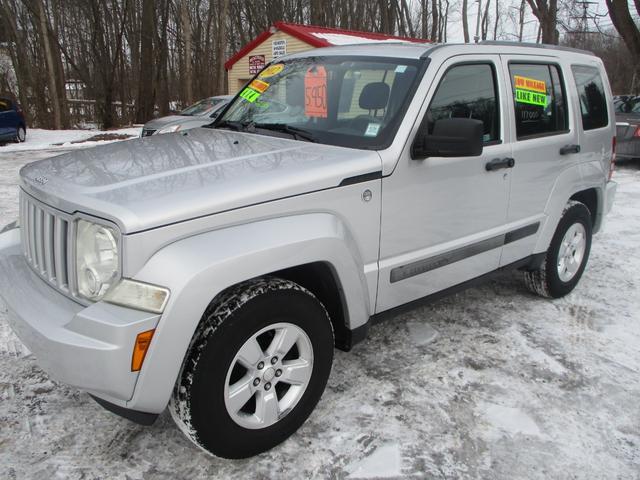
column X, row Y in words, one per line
column 143, row 340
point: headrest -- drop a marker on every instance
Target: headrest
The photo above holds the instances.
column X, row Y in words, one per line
column 374, row 96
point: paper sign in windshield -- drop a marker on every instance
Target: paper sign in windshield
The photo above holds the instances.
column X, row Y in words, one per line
column 250, row 95
column 271, row 70
column 315, row 92
column 259, row 85
column 530, row 91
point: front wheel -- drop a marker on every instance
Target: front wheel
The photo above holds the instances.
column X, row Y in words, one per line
column 21, row 135
column 567, row 255
column 256, row 368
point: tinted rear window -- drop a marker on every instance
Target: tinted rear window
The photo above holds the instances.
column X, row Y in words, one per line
column 593, row 101
column 4, row 105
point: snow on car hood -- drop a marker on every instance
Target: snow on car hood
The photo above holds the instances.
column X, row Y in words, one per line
column 153, row 181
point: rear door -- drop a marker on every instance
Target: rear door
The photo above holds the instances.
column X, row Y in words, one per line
column 544, row 144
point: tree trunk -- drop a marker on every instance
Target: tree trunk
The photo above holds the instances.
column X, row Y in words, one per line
column 57, row 103
column 465, row 22
column 221, row 41
column 434, row 21
column 146, row 91
column 626, row 27
column 185, row 22
column 547, row 14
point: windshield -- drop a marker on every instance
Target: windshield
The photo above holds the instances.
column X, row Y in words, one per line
column 350, row 101
column 636, row 107
column 202, row 107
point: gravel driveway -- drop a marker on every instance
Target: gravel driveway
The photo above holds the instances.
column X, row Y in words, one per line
column 489, row 383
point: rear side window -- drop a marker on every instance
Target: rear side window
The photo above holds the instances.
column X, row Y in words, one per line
column 467, row 91
column 539, row 99
column 4, row 105
column 593, row 101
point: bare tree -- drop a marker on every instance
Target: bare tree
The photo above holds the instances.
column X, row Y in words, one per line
column 623, row 22
column 546, row 11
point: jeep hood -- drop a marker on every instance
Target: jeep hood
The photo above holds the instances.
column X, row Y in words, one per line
column 153, row 181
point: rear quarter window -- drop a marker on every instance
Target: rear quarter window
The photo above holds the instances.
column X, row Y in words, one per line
column 4, row 106
column 593, row 100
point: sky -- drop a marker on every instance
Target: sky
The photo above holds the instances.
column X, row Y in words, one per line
column 508, row 19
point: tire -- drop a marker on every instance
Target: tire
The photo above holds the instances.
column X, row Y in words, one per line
column 220, row 358
column 559, row 274
column 21, row 135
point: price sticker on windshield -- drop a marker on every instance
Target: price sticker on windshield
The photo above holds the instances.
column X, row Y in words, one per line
column 315, row 92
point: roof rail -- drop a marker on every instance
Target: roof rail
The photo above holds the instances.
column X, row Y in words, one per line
column 509, row 43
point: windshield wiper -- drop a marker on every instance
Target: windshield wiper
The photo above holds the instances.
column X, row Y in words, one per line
column 237, row 126
column 295, row 132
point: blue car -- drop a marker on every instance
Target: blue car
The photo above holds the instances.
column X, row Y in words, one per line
column 13, row 128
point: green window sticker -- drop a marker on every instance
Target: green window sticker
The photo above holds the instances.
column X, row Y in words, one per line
column 532, row 98
column 250, row 95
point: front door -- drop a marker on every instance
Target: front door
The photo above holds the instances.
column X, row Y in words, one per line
column 443, row 218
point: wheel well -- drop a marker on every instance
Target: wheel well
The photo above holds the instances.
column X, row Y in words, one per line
column 320, row 279
column 590, row 199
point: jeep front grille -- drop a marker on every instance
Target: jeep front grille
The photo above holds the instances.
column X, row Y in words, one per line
column 46, row 234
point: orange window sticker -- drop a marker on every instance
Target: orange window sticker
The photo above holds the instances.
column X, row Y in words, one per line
column 530, row 84
column 259, row 85
column 315, row 92
column 272, row 70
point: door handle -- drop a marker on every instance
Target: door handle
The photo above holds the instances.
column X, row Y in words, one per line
column 567, row 149
column 498, row 163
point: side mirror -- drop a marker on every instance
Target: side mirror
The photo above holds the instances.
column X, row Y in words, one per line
column 451, row 137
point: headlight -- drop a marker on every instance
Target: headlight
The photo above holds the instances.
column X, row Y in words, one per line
column 97, row 259
column 171, row 129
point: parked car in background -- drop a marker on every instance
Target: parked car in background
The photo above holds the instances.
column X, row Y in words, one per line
column 625, row 103
column 13, row 127
column 628, row 131
column 197, row 115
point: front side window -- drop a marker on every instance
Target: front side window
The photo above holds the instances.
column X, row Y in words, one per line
column 593, row 101
column 467, row 91
column 349, row 101
column 539, row 100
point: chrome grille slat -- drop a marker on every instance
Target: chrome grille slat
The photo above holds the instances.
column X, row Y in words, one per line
column 45, row 242
column 60, row 252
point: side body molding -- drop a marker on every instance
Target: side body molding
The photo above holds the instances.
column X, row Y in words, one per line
column 198, row 268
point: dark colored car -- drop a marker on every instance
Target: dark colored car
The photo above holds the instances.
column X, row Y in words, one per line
column 628, row 133
column 12, row 124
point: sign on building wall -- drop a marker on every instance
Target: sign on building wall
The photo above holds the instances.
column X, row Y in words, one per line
column 256, row 63
column 279, row 47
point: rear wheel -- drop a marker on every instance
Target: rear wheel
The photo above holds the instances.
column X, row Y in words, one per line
column 567, row 255
column 21, row 135
column 255, row 370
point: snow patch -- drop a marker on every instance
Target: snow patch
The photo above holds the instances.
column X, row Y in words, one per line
column 344, row 39
column 508, row 420
column 40, row 139
column 422, row 333
column 384, row 462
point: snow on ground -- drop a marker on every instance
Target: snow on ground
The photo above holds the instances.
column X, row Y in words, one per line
column 491, row 383
column 39, row 139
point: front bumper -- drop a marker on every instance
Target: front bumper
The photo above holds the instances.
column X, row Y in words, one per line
column 86, row 347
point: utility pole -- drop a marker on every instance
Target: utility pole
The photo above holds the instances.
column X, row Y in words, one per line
column 477, row 35
column 583, row 22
